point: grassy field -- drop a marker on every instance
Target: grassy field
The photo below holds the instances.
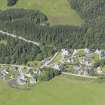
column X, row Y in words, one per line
column 58, row 11
column 60, row 91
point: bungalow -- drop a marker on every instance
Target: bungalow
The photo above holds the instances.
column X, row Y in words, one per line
column 77, row 69
column 72, row 60
column 101, row 53
column 98, row 52
column 64, row 52
column 21, row 80
column 56, row 66
column 74, row 52
column 4, row 73
column 45, row 61
column 32, row 79
column 87, row 50
column 99, row 71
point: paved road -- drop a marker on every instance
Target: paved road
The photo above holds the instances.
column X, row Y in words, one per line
column 12, row 65
column 22, row 66
column 50, row 61
column 19, row 37
column 90, row 77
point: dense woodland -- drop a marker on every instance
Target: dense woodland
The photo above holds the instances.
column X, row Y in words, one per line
column 34, row 25
column 93, row 12
column 16, row 52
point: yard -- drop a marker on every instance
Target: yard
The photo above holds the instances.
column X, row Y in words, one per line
column 59, row 91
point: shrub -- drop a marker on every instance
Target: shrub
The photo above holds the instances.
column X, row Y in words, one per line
column 48, row 74
column 11, row 2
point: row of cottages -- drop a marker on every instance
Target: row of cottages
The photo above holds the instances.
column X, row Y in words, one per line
column 101, row 53
column 71, row 58
column 29, row 76
column 85, row 67
column 58, row 67
column 67, row 53
column 19, row 74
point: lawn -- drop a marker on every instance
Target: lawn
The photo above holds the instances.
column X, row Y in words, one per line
column 59, row 91
column 58, row 11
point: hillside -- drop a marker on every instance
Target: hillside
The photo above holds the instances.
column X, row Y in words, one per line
column 52, row 52
column 59, row 91
column 58, row 11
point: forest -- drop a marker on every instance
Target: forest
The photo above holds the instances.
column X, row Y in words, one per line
column 34, row 26
column 93, row 12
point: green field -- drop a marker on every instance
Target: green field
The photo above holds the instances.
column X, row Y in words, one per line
column 59, row 91
column 58, row 11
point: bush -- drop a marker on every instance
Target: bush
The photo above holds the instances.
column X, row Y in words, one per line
column 48, row 74
column 11, row 2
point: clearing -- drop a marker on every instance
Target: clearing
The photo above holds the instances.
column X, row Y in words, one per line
column 59, row 12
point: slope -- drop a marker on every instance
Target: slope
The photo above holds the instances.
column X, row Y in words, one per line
column 58, row 11
column 59, row 91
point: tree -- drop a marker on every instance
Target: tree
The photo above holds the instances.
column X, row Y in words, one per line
column 11, row 2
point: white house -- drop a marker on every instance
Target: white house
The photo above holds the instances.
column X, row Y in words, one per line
column 98, row 51
column 21, row 79
column 99, row 71
column 65, row 52
column 4, row 73
column 77, row 69
column 86, row 50
column 56, row 66
column 75, row 51
column 33, row 80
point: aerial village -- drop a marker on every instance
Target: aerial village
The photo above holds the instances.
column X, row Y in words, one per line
column 80, row 62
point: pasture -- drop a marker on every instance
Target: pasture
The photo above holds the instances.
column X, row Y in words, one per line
column 59, row 91
column 59, row 12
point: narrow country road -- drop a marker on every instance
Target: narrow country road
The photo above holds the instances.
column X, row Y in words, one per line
column 19, row 37
column 12, row 65
column 22, row 66
column 89, row 77
column 53, row 57
column 49, row 60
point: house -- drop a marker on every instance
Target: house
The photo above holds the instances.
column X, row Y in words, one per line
column 56, row 66
column 64, row 52
column 30, row 70
column 99, row 71
column 20, row 69
column 87, row 50
column 38, row 72
column 46, row 61
column 21, row 80
column 4, row 73
column 102, row 54
column 77, row 69
column 74, row 52
column 98, row 52
column 86, row 66
column 33, row 80
column 72, row 60
column 87, row 61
